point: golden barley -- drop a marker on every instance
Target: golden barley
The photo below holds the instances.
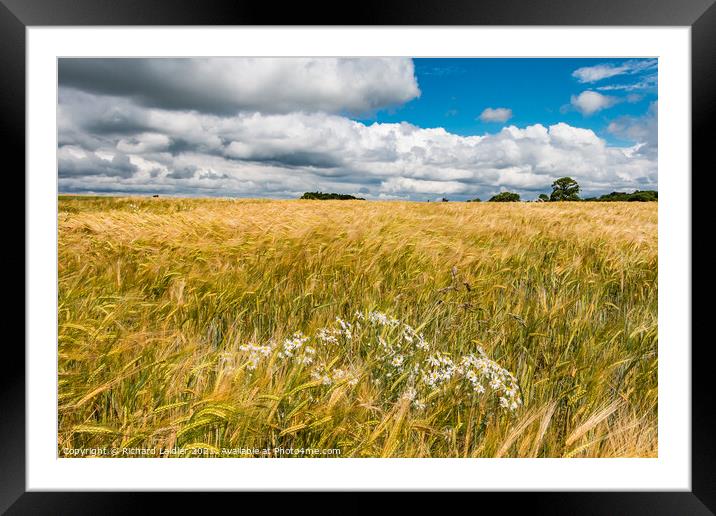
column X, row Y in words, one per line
column 390, row 329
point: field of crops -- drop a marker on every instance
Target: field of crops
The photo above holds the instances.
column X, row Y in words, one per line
column 373, row 329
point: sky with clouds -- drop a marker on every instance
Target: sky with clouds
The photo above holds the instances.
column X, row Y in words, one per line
column 379, row 128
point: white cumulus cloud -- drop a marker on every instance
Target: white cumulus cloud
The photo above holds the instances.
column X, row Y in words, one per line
column 496, row 115
column 589, row 102
column 283, row 155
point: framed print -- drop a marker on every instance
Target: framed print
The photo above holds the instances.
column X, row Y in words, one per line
column 267, row 251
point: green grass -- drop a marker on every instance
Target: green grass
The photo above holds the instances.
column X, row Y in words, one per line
column 157, row 296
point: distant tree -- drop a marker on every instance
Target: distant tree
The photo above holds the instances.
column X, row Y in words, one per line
column 505, row 197
column 637, row 196
column 644, row 196
column 320, row 196
column 543, row 197
column 445, row 199
column 614, row 197
column 476, row 199
column 565, row 189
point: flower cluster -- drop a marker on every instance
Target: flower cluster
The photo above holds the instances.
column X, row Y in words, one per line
column 382, row 319
column 328, row 335
column 479, row 370
column 292, row 344
column 439, row 369
column 402, row 355
column 409, row 350
column 256, row 354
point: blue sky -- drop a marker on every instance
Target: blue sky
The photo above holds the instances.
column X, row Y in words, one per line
column 454, row 92
column 385, row 128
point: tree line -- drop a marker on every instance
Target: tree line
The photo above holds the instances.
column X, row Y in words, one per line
column 567, row 189
column 563, row 189
column 320, row 196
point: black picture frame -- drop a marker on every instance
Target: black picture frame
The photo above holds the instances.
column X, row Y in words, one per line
column 17, row 15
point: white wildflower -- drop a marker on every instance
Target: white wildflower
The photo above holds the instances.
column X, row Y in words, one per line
column 409, row 394
column 316, row 374
column 346, row 328
column 422, row 343
column 342, row 374
column 409, row 334
column 440, row 370
column 418, row 404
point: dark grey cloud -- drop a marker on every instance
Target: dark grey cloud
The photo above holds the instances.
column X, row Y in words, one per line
column 183, row 172
column 98, row 116
column 180, row 146
column 118, row 124
column 118, row 165
column 225, row 86
column 294, row 159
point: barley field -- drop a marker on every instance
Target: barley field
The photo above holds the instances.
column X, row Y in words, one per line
column 372, row 329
